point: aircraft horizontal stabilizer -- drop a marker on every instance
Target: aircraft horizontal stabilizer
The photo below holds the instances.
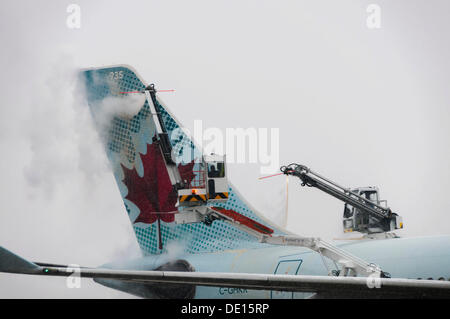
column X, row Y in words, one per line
column 12, row 263
column 323, row 286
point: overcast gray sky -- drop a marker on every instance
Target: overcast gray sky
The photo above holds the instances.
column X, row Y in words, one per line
column 361, row 106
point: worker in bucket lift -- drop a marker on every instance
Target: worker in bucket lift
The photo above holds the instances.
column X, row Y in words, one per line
column 213, row 172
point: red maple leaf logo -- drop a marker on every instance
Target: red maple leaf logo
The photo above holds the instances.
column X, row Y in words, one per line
column 153, row 193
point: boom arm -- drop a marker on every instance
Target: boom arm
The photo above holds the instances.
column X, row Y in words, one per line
column 163, row 138
column 386, row 218
column 350, row 264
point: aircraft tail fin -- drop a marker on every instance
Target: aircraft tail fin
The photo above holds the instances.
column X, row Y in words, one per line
column 123, row 117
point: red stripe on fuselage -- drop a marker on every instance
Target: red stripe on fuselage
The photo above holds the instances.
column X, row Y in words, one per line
column 244, row 220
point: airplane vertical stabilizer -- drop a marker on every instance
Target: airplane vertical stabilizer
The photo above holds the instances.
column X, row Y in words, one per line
column 122, row 116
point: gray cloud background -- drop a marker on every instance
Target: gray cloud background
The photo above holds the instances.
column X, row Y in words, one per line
column 363, row 107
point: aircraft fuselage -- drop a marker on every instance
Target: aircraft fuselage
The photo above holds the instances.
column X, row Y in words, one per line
column 412, row 258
